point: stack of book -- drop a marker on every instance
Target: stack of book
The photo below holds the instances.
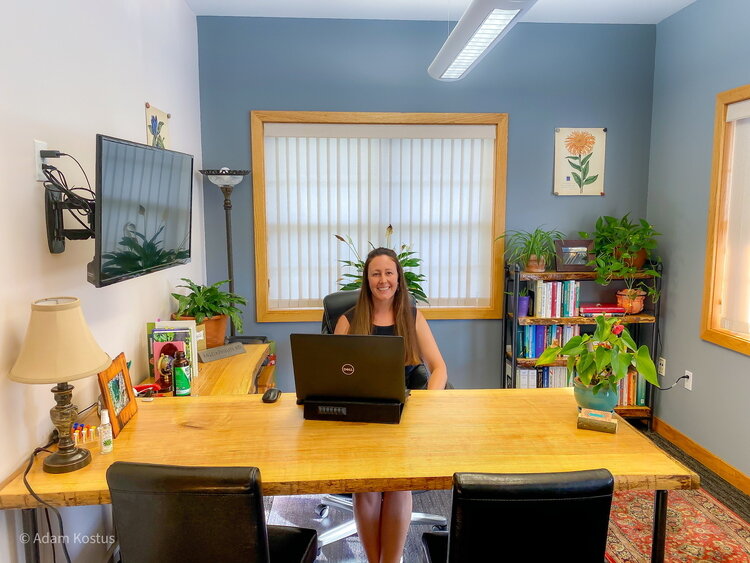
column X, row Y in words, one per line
column 540, row 377
column 163, row 340
column 633, row 390
column 556, row 298
column 605, row 309
column 533, row 339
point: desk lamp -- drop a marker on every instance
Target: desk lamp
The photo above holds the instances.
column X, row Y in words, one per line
column 226, row 179
column 59, row 347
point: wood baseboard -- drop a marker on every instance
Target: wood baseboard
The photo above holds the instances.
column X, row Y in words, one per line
column 730, row 474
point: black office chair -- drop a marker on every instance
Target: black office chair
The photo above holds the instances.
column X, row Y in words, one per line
column 525, row 517
column 168, row 513
column 335, row 305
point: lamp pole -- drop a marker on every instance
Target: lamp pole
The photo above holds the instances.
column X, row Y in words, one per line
column 226, row 179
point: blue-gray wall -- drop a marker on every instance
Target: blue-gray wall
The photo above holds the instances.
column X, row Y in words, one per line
column 543, row 75
column 700, row 51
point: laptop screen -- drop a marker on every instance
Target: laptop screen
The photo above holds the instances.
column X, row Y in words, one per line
column 351, row 367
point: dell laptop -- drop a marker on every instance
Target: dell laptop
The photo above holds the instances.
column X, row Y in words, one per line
column 353, row 370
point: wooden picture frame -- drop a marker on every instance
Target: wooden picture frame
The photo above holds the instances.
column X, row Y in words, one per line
column 117, row 393
column 573, row 255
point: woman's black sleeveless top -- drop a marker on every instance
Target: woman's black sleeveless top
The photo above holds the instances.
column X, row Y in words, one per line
column 416, row 376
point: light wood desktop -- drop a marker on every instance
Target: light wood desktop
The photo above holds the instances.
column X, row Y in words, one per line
column 441, row 433
column 236, row 375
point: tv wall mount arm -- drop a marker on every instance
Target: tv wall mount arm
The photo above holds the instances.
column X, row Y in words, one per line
column 59, row 198
column 54, row 205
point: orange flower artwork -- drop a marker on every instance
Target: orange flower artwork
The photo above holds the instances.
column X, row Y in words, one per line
column 580, row 144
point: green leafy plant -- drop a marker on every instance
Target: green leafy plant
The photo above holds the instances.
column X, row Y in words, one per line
column 616, row 244
column 140, row 253
column 520, row 246
column 523, row 292
column 205, row 301
column 406, row 257
column 604, row 358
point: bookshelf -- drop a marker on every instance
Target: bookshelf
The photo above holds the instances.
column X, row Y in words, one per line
column 643, row 326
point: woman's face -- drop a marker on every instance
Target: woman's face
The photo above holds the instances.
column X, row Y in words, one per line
column 382, row 275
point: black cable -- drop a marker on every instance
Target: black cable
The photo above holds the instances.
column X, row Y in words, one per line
column 49, row 527
column 79, row 166
column 33, row 494
column 673, row 384
column 91, row 406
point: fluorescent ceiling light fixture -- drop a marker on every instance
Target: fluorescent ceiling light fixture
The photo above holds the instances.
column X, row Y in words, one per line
column 483, row 24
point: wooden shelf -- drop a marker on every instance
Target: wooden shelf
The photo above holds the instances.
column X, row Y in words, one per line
column 626, row 319
column 559, row 276
column 633, row 411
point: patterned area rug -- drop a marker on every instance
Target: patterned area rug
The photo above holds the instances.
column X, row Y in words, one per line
column 699, row 528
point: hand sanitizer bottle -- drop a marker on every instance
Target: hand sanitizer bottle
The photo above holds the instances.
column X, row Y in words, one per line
column 105, row 433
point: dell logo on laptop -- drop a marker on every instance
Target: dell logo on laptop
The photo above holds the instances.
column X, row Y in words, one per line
column 347, row 369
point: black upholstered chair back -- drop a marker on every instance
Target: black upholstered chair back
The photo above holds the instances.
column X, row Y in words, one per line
column 335, row 305
column 530, row 517
column 170, row 513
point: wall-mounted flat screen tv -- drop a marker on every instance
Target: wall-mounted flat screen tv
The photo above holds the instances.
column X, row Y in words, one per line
column 143, row 212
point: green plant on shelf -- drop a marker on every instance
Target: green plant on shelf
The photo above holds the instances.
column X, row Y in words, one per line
column 523, row 246
column 604, row 358
column 617, row 244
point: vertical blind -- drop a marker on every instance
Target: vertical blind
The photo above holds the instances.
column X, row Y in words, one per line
column 432, row 183
column 735, row 293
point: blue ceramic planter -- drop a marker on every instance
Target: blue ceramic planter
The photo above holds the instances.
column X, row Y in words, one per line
column 601, row 401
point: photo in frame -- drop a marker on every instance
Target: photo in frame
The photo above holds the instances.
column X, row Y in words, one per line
column 117, row 393
column 574, row 255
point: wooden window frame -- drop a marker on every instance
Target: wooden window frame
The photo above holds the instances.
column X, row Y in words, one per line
column 717, row 227
column 258, row 119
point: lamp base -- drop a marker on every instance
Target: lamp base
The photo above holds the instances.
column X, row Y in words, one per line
column 65, row 462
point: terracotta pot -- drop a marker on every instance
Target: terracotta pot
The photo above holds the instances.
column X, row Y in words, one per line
column 632, row 300
column 537, row 265
column 636, row 260
column 216, row 329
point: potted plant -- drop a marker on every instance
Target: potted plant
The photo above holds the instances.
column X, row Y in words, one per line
column 524, row 300
column 406, row 258
column 210, row 305
column 621, row 248
column 534, row 249
column 596, row 363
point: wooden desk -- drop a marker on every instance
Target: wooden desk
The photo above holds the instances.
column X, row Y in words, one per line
column 441, row 432
column 235, row 375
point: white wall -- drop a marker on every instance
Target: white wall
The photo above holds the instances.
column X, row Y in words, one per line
column 69, row 70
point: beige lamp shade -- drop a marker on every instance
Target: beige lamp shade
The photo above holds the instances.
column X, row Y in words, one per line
column 58, row 346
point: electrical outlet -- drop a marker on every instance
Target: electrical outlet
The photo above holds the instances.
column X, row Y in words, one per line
column 689, row 381
column 38, row 160
column 661, row 367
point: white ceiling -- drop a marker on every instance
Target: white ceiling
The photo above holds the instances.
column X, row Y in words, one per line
column 547, row 11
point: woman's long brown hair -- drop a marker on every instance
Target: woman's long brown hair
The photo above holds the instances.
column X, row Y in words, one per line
column 402, row 308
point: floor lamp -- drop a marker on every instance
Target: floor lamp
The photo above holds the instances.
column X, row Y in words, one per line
column 226, row 179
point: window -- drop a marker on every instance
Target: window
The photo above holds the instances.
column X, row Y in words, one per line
column 439, row 179
column 726, row 295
